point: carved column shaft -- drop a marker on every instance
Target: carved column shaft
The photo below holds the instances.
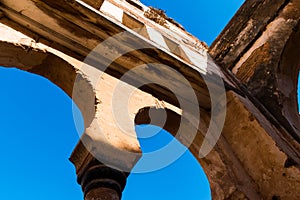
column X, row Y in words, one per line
column 100, row 182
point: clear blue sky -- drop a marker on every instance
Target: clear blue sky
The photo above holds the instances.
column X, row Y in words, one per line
column 38, row 131
column 298, row 91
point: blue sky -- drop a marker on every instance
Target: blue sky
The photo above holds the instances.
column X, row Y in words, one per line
column 38, row 131
column 298, row 92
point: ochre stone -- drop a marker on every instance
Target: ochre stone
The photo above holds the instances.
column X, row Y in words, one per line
column 257, row 155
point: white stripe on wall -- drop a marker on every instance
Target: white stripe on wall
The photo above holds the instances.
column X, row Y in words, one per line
column 199, row 60
column 112, row 10
column 156, row 37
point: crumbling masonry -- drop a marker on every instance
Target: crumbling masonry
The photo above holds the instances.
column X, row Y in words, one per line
column 257, row 155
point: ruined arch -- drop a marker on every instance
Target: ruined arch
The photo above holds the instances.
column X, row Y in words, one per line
column 217, row 167
column 182, row 178
column 249, row 51
column 52, row 67
column 273, row 81
column 219, row 176
column 37, row 136
column 287, row 79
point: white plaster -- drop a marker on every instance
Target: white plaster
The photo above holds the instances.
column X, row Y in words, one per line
column 197, row 59
column 156, row 37
column 112, row 10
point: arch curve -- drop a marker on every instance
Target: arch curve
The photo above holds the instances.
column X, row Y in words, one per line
column 270, row 72
column 213, row 165
column 53, row 67
column 171, row 124
column 287, row 79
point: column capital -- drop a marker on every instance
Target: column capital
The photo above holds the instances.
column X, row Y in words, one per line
column 101, row 182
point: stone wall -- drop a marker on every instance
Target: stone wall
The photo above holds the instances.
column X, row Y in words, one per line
column 258, row 154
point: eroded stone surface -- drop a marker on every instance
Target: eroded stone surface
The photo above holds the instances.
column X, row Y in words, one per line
column 257, row 156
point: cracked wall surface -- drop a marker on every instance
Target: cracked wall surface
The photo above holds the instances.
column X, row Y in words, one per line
column 257, row 155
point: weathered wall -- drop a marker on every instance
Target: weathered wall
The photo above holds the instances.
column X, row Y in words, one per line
column 258, row 154
column 260, row 47
column 259, row 51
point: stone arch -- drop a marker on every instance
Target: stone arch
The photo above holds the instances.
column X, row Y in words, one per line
column 221, row 184
column 52, row 67
column 106, row 143
column 262, row 62
column 233, row 171
column 287, row 79
column 37, row 123
column 270, row 73
column 270, row 66
column 255, row 63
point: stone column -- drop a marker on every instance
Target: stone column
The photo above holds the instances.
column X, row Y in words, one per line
column 100, row 182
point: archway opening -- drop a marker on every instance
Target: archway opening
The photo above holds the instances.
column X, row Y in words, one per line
column 183, row 179
column 38, row 135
